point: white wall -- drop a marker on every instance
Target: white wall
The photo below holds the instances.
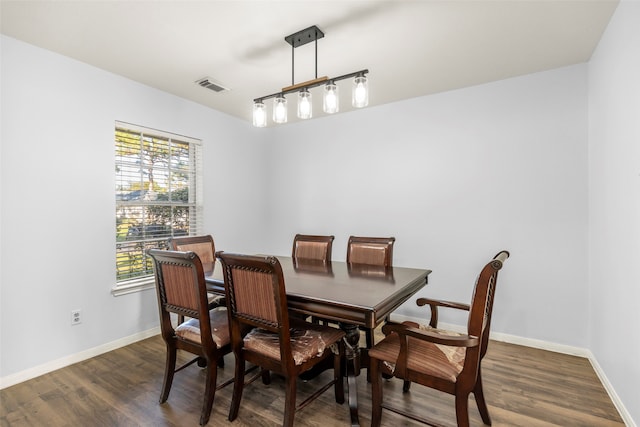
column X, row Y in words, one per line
column 58, row 209
column 456, row 177
column 614, row 203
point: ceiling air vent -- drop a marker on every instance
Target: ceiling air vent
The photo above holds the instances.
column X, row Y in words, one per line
column 209, row 83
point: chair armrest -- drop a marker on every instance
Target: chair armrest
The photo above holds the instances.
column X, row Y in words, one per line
column 442, row 303
column 450, row 340
column 434, row 304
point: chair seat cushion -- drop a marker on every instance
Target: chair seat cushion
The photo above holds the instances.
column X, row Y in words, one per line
column 436, row 360
column 308, row 340
column 215, row 301
column 190, row 330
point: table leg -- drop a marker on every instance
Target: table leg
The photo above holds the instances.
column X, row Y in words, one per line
column 352, row 365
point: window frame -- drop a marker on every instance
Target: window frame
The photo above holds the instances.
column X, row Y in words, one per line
column 147, row 281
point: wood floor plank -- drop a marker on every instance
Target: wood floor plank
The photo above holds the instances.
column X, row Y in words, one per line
column 523, row 387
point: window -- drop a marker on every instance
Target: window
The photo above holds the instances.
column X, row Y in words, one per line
column 158, row 195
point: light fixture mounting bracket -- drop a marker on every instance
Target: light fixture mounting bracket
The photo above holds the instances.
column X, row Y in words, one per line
column 305, row 36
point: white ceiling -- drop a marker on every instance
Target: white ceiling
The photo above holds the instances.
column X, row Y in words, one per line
column 411, row 48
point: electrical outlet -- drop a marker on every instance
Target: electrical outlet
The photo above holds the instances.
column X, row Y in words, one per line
column 76, row 317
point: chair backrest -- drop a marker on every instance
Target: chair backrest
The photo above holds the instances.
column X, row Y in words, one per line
column 312, row 247
column 481, row 307
column 203, row 246
column 181, row 289
column 370, row 250
column 256, row 296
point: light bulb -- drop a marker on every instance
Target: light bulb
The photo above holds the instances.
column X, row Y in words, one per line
column 259, row 114
column 360, row 97
column 304, row 104
column 331, row 102
column 280, row 109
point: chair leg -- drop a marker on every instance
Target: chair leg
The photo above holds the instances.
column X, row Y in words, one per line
column 209, row 391
column 462, row 410
column 478, row 393
column 406, row 385
column 238, row 385
column 337, row 374
column 376, row 392
column 369, row 337
column 290, row 401
column 368, row 333
column 169, row 370
column 266, row 376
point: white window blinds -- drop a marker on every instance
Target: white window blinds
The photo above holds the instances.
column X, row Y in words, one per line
column 158, row 195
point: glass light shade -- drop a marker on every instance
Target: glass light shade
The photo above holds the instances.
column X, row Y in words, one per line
column 304, row 104
column 360, row 93
column 330, row 101
column 280, row 109
column 259, row 114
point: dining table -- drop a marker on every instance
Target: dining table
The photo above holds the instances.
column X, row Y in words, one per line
column 351, row 295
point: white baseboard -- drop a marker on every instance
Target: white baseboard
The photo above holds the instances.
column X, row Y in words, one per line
column 545, row 345
column 45, row 368
column 626, row 416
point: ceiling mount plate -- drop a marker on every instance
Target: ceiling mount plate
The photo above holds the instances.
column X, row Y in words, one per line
column 305, row 36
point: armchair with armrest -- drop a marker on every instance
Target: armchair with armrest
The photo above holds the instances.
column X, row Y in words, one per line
column 438, row 359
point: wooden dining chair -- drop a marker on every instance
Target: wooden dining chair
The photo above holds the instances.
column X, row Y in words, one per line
column 311, row 247
column 308, row 250
column 446, row 361
column 204, row 247
column 181, row 289
column 257, row 299
column 376, row 251
column 370, row 250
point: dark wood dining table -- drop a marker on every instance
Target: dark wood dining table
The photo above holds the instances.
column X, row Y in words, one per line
column 351, row 295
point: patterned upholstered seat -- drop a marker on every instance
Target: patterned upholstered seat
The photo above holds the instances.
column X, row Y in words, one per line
column 190, row 330
column 431, row 359
column 308, row 340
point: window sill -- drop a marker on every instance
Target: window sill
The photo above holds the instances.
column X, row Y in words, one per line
column 135, row 285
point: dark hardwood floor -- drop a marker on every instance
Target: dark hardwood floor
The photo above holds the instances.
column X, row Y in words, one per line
column 523, row 387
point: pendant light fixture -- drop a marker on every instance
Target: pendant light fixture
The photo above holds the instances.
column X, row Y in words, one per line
column 330, row 98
